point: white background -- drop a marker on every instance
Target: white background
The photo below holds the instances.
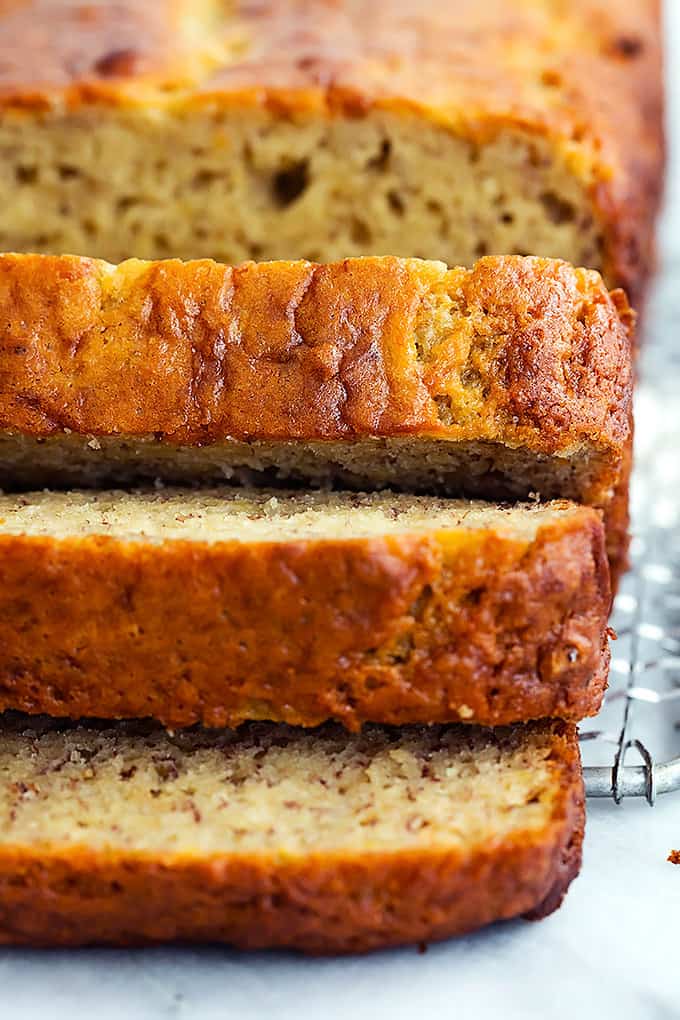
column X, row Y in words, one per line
column 613, row 950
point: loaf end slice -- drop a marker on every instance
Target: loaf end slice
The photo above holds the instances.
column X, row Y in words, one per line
column 328, row 130
column 222, row 606
column 275, row 837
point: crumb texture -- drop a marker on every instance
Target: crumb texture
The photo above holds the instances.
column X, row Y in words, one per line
column 261, row 515
column 272, row 790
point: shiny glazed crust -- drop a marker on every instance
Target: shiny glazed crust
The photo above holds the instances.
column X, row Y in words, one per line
column 317, row 904
column 526, row 353
column 586, row 76
column 467, row 624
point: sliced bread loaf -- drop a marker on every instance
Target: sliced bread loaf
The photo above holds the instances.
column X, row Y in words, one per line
column 272, row 836
column 328, row 128
column 509, row 379
column 233, row 604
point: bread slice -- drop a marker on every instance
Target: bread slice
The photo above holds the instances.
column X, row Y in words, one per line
column 317, row 129
column 234, row 604
column 509, row 379
column 272, row 836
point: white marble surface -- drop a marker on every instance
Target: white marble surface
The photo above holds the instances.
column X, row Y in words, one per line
column 613, row 950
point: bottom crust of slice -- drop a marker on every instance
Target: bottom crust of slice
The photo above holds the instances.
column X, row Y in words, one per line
column 317, row 899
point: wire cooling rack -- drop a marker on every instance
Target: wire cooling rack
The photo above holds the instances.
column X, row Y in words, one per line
column 633, row 747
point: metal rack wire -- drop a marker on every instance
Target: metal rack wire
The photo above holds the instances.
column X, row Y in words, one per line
column 640, row 681
column 641, row 715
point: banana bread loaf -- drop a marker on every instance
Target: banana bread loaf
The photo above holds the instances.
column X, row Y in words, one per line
column 223, row 606
column 498, row 382
column 315, row 840
column 329, row 128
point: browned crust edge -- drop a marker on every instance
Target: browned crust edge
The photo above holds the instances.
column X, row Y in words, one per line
column 319, row 904
column 439, row 627
column 537, row 354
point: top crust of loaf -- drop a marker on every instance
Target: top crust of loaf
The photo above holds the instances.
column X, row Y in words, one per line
column 525, row 352
column 586, row 74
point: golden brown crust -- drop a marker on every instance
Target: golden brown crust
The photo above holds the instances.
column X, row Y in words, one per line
column 533, row 351
column 463, row 624
column 585, row 75
column 319, row 904
column 524, row 352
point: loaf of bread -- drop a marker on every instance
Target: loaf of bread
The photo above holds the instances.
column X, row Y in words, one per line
column 329, row 128
column 230, row 605
column 510, row 379
column 271, row 836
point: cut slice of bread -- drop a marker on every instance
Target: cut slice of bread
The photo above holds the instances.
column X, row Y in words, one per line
column 272, row 836
column 219, row 606
column 326, row 129
column 509, row 379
